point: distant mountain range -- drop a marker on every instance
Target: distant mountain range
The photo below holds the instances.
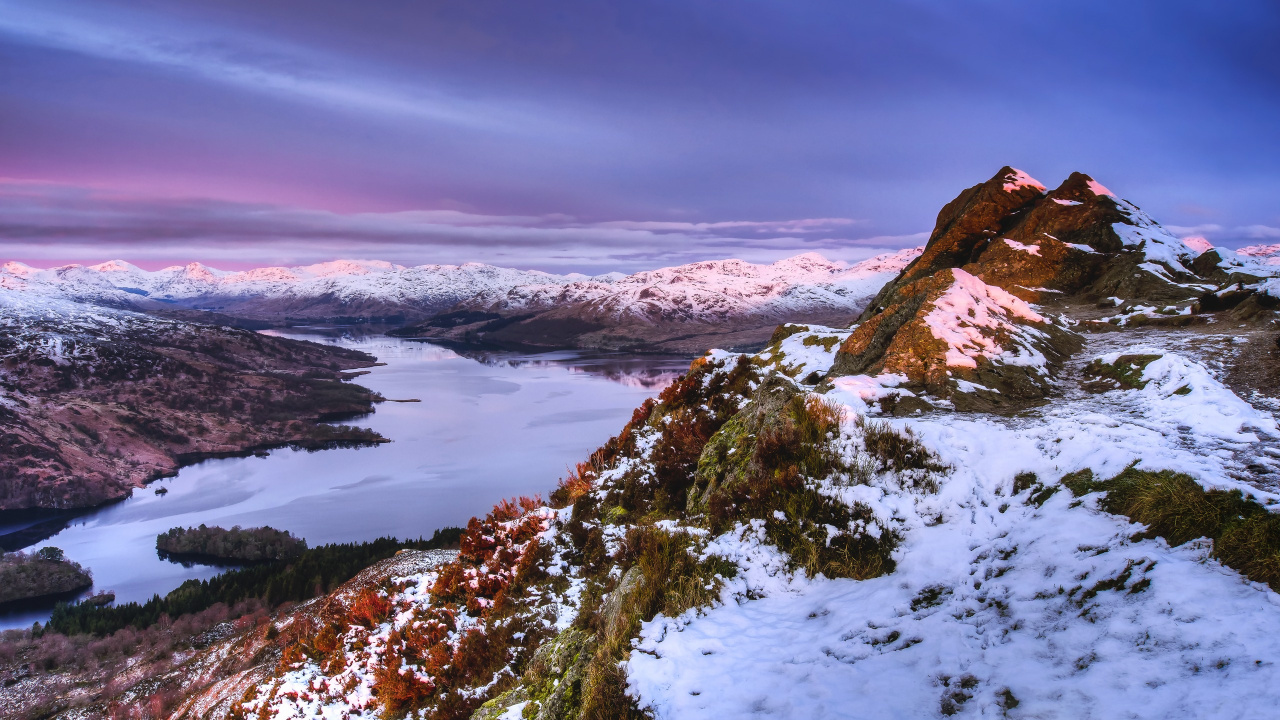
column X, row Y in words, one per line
column 360, row 290
column 677, row 308
column 723, row 303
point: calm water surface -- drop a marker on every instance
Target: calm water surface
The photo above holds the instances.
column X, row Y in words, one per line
column 489, row 426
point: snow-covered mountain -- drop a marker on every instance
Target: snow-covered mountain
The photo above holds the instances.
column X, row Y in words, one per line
column 689, row 307
column 790, row 289
column 361, row 289
column 712, row 290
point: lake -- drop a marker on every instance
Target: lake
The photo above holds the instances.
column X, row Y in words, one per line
column 489, row 425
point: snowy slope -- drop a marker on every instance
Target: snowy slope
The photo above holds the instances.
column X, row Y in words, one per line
column 1262, row 261
column 1004, row 602
column 1059, row 609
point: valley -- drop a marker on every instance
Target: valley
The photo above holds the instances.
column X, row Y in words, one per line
column 435, row 471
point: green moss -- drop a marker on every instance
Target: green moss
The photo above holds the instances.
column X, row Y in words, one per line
column 1081, row 482
column 762, row 465
column 828, row 343
column 665, row 576
column 785, row 331
column 613, row 515
column 554, row 682
column 1126, row 371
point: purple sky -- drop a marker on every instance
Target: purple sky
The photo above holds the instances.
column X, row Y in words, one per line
column 603, row 135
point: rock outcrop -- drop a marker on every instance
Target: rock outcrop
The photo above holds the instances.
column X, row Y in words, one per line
column 1078, row 239
column 949, row 334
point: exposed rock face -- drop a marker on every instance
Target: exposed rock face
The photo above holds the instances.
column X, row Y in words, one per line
column 966, row 226
column 1079, row 239
column 949, row 331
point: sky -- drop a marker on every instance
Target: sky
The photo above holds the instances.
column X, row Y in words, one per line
column 604, row 135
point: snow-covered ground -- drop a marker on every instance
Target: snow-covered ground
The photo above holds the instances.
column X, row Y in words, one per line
column 999, row 606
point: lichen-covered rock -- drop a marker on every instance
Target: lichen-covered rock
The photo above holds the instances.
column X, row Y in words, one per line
column 950, row 332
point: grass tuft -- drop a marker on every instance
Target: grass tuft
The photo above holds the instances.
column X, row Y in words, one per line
column 1245, row 535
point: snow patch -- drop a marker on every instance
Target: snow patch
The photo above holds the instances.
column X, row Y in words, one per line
column 1029, row 249
column 967, row 308
column 1098, row 188
column 1197, row 244
column 1018, row 179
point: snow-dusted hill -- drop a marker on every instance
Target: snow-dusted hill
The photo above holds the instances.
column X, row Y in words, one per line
column 751, row 547
column 95, row 401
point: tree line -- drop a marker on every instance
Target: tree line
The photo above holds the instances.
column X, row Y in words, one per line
column 241, row 544
column 314, row 572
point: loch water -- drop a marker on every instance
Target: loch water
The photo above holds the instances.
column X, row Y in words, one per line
column 487, row 425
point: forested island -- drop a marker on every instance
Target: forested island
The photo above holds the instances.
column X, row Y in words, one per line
column 241, row 545
column 44, row 574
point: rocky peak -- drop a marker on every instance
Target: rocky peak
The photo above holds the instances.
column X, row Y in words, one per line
column 1078, row 239
column 1002, row 244
column 965, row 227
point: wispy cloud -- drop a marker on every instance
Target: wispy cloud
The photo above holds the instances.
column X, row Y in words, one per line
column 1260, row 232
column 43, row 222
column 1234, row 236
column 260, row 66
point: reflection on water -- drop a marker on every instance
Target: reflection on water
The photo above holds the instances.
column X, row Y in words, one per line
column 488, row 425
column 649, row 371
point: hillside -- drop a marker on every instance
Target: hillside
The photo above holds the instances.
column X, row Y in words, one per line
column 96, row 401
column 984, row 499
column 692, row 307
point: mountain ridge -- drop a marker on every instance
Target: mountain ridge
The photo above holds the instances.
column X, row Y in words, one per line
column 682, row 308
